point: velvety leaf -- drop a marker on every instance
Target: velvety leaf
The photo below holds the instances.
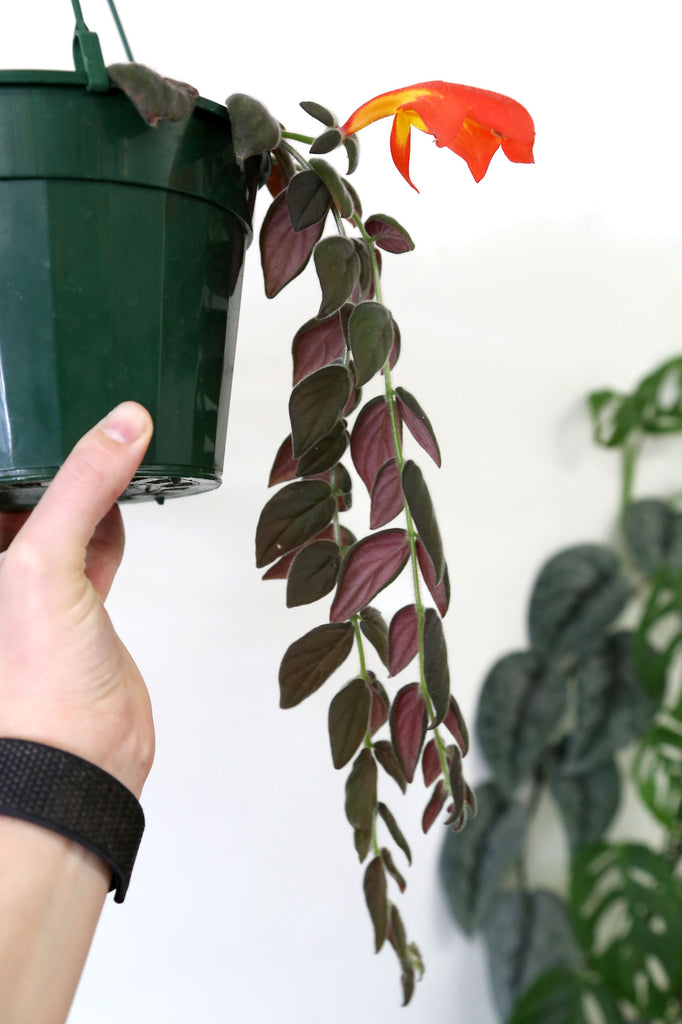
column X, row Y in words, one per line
column 454, row 721
column 440, row 592
column 387, row 495
column 319, row 112
column 308, row 200
column 371, row 442
column 430, row 763
column 653, row 533
column 313, row 572
column 403, row 639
column 587, row 802
column 627, row 911
column 352, row 147
column 378, row 715
column 563, row 996
column 370, row 331
column 392, row 869
column 418, row 423
column 362, row 838
column 327, row 141
column 282, row 171
column 154, row 97
column 285, row 466
column 316, row 344
column 475, row 862
column 291, row 517
column 577, row 594
column 394, row 354
column 456, row 815
column 436, row 671
column 422, row 511
column 348, row 720
column 396, row 934
column 612, row 706
column 522, row 702
column 408, row 727
column 527, row 933
column 325, row 453
column 393, row 827
column 280, row 569
column 309, row 661
column 254, row 130
column 316, row 404
column 434, row 806
column 361, row 791
column 374, row 627
column 368, row 567
column 337, row 267
column 388, row 759
column 657, row 768
column 333, row 183
column 377, row 901
column 364, row 288
column 284, row 252
column 388, row 233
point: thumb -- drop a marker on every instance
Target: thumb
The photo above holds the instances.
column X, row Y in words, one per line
column 93, row 476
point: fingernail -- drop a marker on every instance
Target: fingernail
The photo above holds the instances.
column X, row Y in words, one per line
column 125, row 423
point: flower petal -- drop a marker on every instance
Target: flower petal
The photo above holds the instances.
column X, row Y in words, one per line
column 400, row 144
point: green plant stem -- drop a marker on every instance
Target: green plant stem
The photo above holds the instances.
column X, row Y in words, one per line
column 630, row 453
column 307, row 140
column 293, row 152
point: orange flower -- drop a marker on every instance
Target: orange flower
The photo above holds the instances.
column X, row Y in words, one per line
column 471, row 122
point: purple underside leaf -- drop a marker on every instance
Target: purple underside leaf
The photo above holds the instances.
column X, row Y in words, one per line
column 403, row 639
column 418, row 423
column 316, row 344
column 388, row 233
column 434, row 806
column 285, row 466
column 440, row 592
column 369, row 566
column 309, row 661
column 371, row 443
column 408, row 727
column 284, row 252
column 430, row 763
column 454, row 721
column 379, row 712
column 387, row 495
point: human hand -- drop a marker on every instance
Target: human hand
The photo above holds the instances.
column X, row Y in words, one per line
column 66, row 679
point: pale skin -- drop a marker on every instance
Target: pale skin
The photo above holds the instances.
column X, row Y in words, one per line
column 67, row 680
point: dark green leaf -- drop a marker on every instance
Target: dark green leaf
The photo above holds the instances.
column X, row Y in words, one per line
column 527, row 933
column 627, row 910
column 422, row 511
column 577, row 594
column 352, row 147
column 294, row 515
column 653, row 532
column 284, row 252
column 308, row 200
column 374, row 627
column 338, row 267
column 396, row 834
column 657, row 768
column 521, row 705
column 587, row 802
column 436, row 672
column 370, row 331
column 361, row 791
column 348, row 720
column 325, row 453
column 309, row 662
column 363, row 840
column 319, row 112
column 327, row 141
column 613, row 709
column 392, row 869
column 316, row 405
column 474, row 862
column 377, row 901
column 562, row 996
column 388, row 233
column 334, row 185
column 313, row 572
column 154, row 97
column 254, row 130
column 387, row 758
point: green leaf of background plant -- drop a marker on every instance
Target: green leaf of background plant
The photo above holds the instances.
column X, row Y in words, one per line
column 308, row 200
column 521, row 704
column 436, row 671
column 361, row 790
column 659, row 398
column 292, row 516
column 577, row 594
column 422, row 511
column 370, row 332
column 653, row 533
column 475, row 862
column 614, row 418
column 316, row 405
column 348, row 720
column 254, row 129
column 587, row 802
column 657, row 767
column 310, row 660
column 526, row 934
column 333, row 183
column 338, row 268
column 563, row 996
column 627, row 911
column 613, row 708
column 313, row 572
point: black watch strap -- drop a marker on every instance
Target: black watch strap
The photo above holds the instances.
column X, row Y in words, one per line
column 66, row 794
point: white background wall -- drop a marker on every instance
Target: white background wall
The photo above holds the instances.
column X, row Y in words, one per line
column 525, row 292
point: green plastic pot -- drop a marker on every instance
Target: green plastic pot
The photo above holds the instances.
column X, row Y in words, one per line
column 121, row 257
